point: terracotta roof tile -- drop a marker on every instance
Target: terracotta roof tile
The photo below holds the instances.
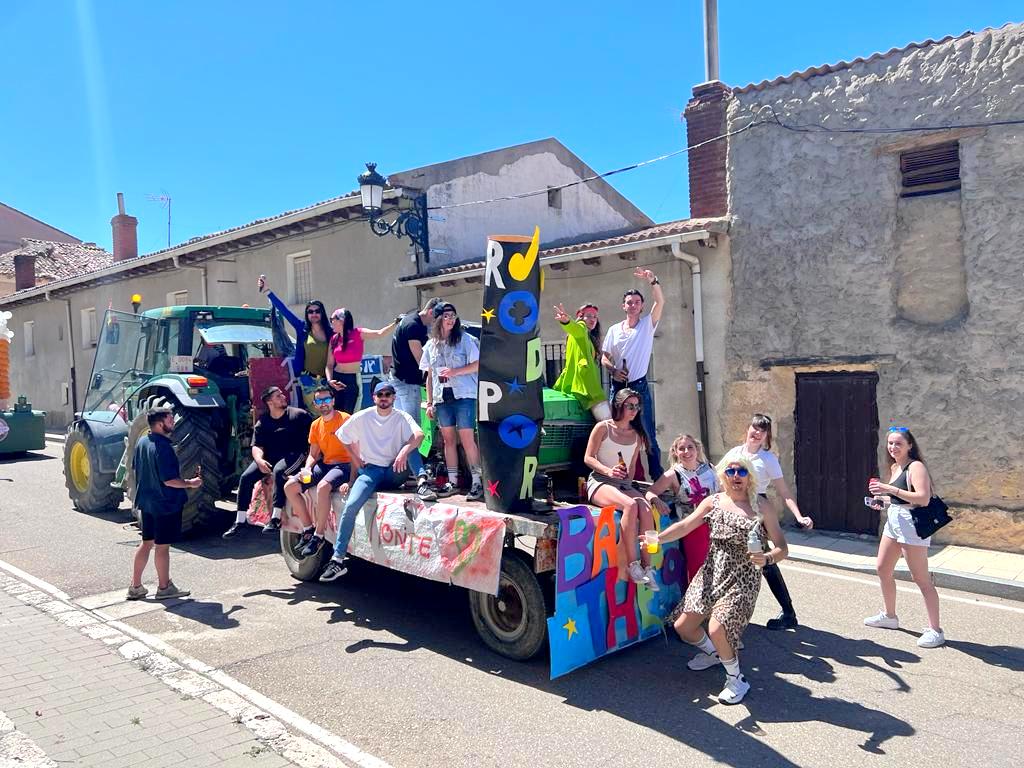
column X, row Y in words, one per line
column 58, row 261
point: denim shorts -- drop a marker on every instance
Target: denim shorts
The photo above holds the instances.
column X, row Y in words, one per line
column 459, row 413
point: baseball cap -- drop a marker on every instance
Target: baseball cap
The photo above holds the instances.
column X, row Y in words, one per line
column 444, row 306
column 383, row 386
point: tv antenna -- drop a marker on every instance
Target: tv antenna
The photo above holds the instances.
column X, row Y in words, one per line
column 165, row 202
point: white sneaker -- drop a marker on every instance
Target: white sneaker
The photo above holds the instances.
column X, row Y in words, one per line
column 652, row 583
column 735, row 689
column 637, row 574
column 703, row 661
column 931, row 638
column 882, row 621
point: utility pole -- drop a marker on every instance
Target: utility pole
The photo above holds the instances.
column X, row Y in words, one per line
column 165, row 202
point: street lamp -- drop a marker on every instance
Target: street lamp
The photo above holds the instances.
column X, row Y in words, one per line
column 410, row 222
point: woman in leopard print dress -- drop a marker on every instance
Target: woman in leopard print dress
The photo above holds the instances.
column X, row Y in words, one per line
column 724, row 591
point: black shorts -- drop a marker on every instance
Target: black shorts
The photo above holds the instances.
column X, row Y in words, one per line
column 162, row 528
column 335, row 474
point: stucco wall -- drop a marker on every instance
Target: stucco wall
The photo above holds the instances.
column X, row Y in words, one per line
column 351, row 267
column 828, row 261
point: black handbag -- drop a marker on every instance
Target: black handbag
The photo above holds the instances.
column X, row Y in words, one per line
column 929, row 518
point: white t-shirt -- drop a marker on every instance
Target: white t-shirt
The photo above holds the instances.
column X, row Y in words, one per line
column 632, row 344
column 380, row 438
column 766, row 465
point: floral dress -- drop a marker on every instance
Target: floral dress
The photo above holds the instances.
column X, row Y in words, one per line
column 727, row 584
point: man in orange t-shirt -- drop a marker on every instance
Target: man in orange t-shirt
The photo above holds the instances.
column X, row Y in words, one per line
column 328, row 467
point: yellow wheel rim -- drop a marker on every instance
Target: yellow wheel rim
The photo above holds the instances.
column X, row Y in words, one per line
column 81, row 471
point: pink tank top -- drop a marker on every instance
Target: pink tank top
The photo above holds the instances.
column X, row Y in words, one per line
column 352, row 353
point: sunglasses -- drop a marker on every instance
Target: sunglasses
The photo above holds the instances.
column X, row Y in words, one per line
column 323, row 400
column 385, row 394
column 631, row 407
column 449, row 315
column 312, row 312
column 736, row 472
column 898, row 429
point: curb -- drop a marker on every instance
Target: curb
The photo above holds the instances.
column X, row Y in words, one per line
column 958, row 580
column 54, row 437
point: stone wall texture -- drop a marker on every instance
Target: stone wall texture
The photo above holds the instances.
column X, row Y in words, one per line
column 830, row 264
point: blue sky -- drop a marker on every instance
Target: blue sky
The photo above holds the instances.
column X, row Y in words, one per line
column 242, row 110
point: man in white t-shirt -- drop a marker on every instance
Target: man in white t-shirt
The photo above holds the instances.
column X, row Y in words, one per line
column 626, row 354
column 382, row 443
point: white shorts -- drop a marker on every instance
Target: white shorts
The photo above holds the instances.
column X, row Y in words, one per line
column 899, row 525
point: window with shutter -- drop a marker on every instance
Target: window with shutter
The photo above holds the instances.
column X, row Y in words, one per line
column 930, row 171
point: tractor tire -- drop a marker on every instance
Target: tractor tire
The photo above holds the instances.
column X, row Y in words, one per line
column 514, row 623
column 304, row 568
column 89, row 489
column 195, row 444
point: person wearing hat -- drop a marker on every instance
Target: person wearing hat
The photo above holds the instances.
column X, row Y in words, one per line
column 279, row 440
column 451, row 359
column 159, row 497
column 406, row 350
column 382, row 443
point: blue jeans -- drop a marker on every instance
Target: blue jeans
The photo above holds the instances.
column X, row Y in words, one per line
column 647, row 419
column 407, row 398
column 369, row 478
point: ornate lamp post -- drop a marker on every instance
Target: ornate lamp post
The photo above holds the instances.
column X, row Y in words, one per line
column 410, row 222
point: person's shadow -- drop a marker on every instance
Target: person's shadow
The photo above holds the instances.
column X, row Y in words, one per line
column 1005, row 656
column 210, row 613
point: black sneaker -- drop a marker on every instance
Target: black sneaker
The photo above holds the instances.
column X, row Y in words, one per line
column 312, row 546
column 302, row 541
column 333, row 570
column 273, row 525
column 782, row 621
column 234, row 530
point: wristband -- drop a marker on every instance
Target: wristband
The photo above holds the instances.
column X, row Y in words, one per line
column 655, row 281
column 769, row 559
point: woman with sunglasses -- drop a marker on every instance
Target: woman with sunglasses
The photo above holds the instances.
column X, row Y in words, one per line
column 909, row 486
column 612, row 453
column 768, row 471
column 451, row 358
column 724, row 591
column 311, row 334
column 345, row 356
column 581, row 376
column 691, row 479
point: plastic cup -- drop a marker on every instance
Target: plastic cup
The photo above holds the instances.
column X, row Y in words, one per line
column 306, row 476
column 651, row 542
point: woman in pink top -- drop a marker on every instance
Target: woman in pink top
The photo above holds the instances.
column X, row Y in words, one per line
column 345, row 355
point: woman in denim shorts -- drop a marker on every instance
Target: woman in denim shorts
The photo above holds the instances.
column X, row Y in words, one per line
column 452, row 358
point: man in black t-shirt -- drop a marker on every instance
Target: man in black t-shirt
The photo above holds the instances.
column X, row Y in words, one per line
column 406, row 349
column 159, row 497
column 280, row 440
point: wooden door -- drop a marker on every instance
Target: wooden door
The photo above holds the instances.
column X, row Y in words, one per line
column 836, row 448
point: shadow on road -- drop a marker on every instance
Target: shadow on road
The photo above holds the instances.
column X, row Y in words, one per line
column 211, row 614
column 1005, row 656
column 16, row 458
column 647, row 684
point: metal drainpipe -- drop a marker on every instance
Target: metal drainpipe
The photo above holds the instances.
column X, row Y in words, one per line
column 202, row 271
column 698, row 337
column 72, row 383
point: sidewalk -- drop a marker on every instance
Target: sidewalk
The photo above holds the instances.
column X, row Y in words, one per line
column 75, row 690
column 997, row 574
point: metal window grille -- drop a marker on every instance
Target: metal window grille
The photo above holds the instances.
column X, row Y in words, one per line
column 302, row 268
column 178, row 298
column 930, row 171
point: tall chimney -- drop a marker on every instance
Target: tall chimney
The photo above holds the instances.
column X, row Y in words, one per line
column 125, row 229
column 705, row 120
column 24, row 271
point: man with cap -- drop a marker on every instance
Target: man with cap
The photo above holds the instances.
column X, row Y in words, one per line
column 279, row 441
column 406, row 350
column 159, row 497
column 382, row 443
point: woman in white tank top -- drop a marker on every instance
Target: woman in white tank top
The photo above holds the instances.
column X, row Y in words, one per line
column 614, row 447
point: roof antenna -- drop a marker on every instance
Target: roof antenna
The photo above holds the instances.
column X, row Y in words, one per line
column 165, row 202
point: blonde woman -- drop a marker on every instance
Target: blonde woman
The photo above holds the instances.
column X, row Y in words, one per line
column 725, row 588
column 691, row 479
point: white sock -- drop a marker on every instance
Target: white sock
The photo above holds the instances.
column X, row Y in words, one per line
column 241, row 515
column 732, row 667
column 453, row 475
column 475, row 473
column 276, row 514
column 706, row 645
column 309, row 529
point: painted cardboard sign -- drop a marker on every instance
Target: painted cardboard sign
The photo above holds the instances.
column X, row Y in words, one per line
column 595, row 613
column 443, row 542
column 510, row 400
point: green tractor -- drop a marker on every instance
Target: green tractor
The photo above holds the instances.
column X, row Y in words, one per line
column 193, row 358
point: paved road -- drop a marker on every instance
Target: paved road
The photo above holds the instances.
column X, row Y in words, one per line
column 392, row 664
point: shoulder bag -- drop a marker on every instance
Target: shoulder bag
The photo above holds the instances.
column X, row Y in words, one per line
column 931, row 517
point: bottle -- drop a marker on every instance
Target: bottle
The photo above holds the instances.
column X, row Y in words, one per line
column 625, row 370
column 622, row 463
column 754, row 544
column 581, row 488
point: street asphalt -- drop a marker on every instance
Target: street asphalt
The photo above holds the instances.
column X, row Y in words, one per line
column 391, row 663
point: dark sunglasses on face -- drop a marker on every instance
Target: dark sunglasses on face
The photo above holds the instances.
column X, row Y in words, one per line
column 313, row 312
column 631, row 407
column 385, row 394
column 323, row 400
column 736, row 472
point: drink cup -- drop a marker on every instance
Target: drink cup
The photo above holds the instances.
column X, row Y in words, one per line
column 651, row 542
column 306, row 476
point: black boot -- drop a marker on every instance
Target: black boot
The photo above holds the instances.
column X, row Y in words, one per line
column 786, row 619
column 783, row 621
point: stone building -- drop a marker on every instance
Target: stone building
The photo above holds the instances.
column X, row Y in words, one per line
column 15, row 228
column 875, row 277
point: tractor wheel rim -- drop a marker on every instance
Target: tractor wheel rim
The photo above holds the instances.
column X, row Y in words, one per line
column 81, row 471
column 505, row 615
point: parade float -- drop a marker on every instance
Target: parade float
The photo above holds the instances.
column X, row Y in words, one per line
column 21, row 428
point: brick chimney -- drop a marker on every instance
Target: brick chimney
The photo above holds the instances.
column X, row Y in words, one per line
column 125, row 228
column 705, row 119
column 24, row 271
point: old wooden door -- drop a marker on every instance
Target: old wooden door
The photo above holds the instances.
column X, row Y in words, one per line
column 836, row 448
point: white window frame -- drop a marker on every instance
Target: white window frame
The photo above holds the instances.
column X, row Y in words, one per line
column 90, row 327
column 172, row 298
column 292, row 259
column 29, row 338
